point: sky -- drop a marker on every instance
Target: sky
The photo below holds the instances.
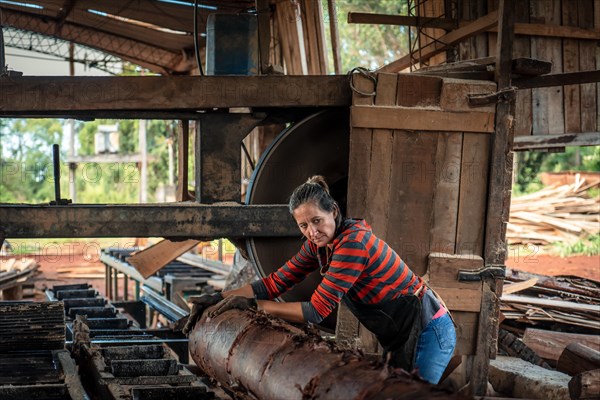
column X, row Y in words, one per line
column 38, row 64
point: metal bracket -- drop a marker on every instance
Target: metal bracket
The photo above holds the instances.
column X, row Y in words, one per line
column 481, row 100
column 493, row 271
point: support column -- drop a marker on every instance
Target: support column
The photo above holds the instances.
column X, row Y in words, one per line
column 498, row 205
column 218, row 155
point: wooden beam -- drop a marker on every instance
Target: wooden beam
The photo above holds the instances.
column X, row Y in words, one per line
column 386, row 19
column 264, row 33
column 68, row 95
column 415, row 119
column 556, row 141
column 169, row 15
column 441, row 44
column 175, row 220
column 498, row 204
column 556, row 31
column 153, row 57
column 569, row 78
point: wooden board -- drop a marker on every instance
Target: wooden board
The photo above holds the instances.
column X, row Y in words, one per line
column 466, row 331
column 418, row 90
column 446, row 191
column 420, row 119
column 46, row 95
column 571, row 64
column 360, row 152
column 548, row 113
column 455, row 93
column 443, row 269
column 378, row 193
column 378, row 199
column 550, row 345
column 473, row 189
column 522, row 48
column 461, row 299
column 411, row 191
column 153, row 258
column 473, row 28
column 587, row 62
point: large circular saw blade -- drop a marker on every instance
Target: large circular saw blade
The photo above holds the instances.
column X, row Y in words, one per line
column 317, row 145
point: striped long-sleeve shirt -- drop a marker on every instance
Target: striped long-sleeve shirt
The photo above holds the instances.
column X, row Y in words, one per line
column 362, row 267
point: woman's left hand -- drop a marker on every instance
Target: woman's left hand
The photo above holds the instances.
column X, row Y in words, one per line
column 233, row 302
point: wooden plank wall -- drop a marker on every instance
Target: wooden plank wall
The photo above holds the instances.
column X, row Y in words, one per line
column 423, row 191
column 555, row 110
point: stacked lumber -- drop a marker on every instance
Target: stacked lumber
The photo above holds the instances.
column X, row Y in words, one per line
column 28, row 325
column 562, row 213
column 14, row 272
column 569, row 302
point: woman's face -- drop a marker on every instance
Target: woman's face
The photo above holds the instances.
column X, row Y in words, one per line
column 315, row 223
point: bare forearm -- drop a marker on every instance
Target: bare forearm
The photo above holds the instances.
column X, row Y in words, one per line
column 291, row 312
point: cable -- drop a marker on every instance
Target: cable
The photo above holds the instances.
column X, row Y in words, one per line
column 196, row 45
column 248, row 155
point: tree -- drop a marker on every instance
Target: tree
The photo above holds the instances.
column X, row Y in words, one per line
column 364, row 45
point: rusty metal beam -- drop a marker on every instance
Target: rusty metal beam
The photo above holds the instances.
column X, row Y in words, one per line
column 253, row 353
column 152, row 57
column 175, row 220
column 70, row 96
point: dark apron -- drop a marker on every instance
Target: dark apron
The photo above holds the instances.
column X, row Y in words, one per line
column 396, row 324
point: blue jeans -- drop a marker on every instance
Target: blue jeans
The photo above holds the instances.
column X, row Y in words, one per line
column 435, row 348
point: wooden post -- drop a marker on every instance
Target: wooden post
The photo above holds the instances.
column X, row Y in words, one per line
column 335, row 37
column 264, row 33
column 183, row 144
column 218, row 156
column 498, row 205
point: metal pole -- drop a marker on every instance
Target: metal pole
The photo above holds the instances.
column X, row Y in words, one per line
column 71, row 122
column 144, row 168
column 3, row 65
column 56, row 165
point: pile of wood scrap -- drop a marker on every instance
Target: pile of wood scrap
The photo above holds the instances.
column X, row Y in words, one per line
column 570, row 302
column 555, row 214
column 14, row 272
column 574, row 354
column 568, row 311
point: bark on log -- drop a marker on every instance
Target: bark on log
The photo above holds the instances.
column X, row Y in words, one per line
column 585, row 385
column 577, row 358
column 549, row 345
column 257, row 356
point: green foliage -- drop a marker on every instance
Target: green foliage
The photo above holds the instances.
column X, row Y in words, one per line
column 589, row 247
column 367, row 45
column 531, row 163
column 26, row 173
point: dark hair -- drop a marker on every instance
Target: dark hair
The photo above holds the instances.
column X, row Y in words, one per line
column 316, row 190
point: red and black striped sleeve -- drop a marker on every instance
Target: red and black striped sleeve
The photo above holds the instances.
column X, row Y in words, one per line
column 347, row 264
column 291, row 273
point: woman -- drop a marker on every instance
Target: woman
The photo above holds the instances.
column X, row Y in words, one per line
column 412, row 325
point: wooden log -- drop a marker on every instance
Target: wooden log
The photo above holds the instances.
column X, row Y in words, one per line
column 577, row 358
column 550, row 345
column 32, row 326
column 585, row 385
